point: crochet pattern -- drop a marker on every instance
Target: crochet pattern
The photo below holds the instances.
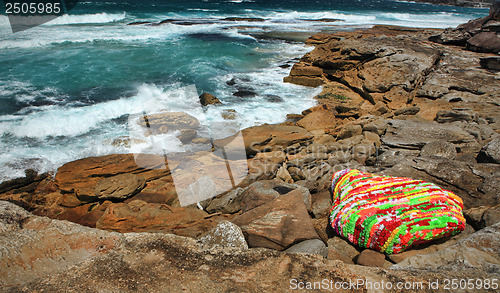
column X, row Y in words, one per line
column 391, row 214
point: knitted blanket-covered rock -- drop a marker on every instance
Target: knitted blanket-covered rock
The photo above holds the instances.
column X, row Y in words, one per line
column 390, row 214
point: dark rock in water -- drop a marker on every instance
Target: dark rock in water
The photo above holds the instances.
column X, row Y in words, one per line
column 274, row 98
column 208, row 99
column 324, row 20
column 214, row 37
column 244, row 94
column 285, row 66
column 139, row 22
column 486, row 42
column 249, row 19
column 185, row 22
column 231, row 82
column 492, row 63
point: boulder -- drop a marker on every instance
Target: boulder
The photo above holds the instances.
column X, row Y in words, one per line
column 321, row 203
column 451, row 36
column 277, row 224
column 487, row 42
column 208, row 99
column 371, row 258
column 139, row 216
column 483, row 216
column 119, row 187
column 225, row 234
column 229, row 114
column 349, row 130
column 407, row 111
column 311, row 246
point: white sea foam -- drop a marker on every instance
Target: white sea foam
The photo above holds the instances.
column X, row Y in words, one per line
column 87, row 18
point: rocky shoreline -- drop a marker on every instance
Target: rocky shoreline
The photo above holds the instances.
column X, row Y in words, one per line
column 417, row 103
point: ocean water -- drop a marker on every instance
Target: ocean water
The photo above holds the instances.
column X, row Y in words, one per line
column 70, row 86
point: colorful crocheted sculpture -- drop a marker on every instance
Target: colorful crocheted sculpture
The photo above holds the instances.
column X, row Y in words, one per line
column 390, row 214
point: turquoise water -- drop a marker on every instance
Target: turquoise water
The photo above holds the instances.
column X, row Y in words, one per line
column 69, row 87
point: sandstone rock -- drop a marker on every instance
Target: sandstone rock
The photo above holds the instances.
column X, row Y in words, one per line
column 228, row 203
column 119, row 187
column 483, row 216
column 284, row 175
column 261, row 192
column 318, row 120
column 349, row 130
column 86, row 215
column 379, row 109
column 439, row 148
column 341, row 249
column 201, row 140
column 407, row 111
column 229, row 114
column 225, row 234
column 415, row 134
column 321, row 203
column 311, row 246
column 488, row 42
column 296, row 174
column 165, row 121
column 82, row 176
column 264, row 225
column 379, row 126
column 267, row 137
column 452, row 37
column 480, row 250
column 187, row 135
column 126, row 141
column 492, row 63
column 490, row 152
column 371, row 258
column 139, row 216
column 372, row 137
column 208, row 99
column 30, row 181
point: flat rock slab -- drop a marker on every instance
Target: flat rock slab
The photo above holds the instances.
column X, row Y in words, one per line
column 408, row 134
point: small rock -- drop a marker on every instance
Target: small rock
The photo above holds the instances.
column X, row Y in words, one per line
column 244, row 93
column 119, row 187
column 482, row 216
column 371, row 258
column 164, row 121
column 311, row 246
column 439, row 148
column 225, row 234
column 201, row 140
column 208, row 99
column 486, row 42
column 321, row 203
column 284, row 175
